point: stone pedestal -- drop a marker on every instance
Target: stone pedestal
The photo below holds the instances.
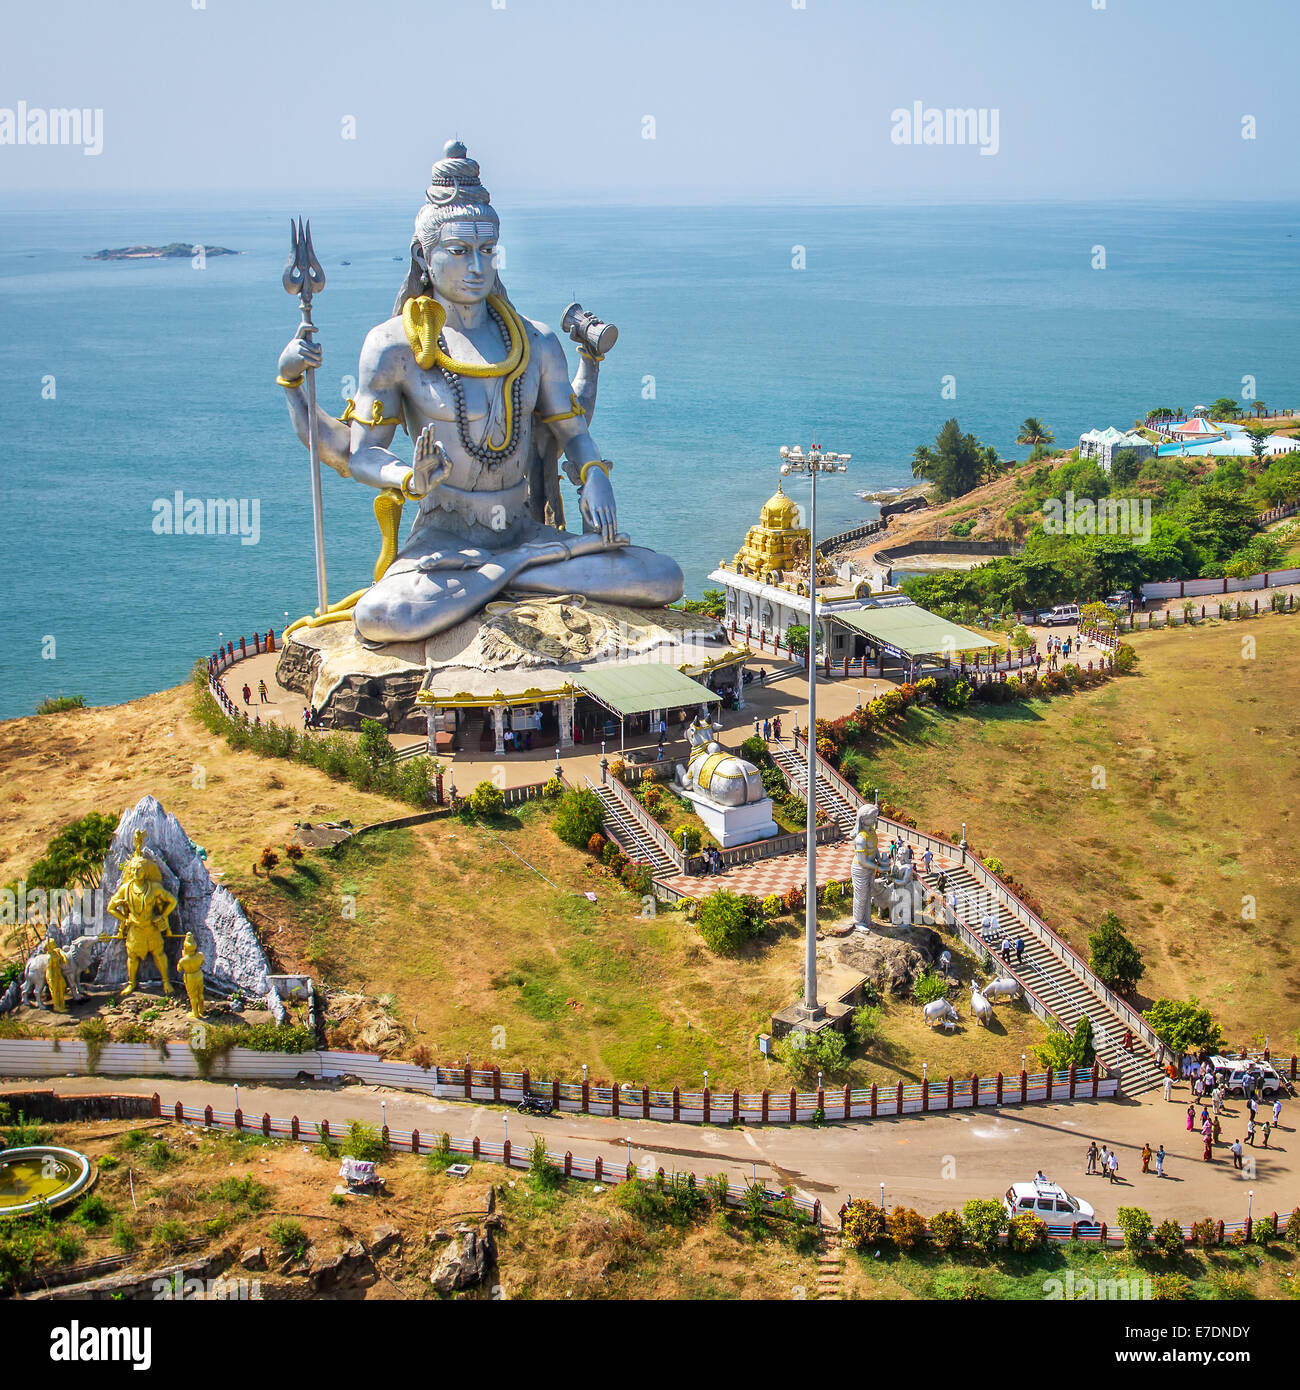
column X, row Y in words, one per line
column 734, row 825
column 792, row 1019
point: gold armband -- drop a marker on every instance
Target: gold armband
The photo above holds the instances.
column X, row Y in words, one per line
column 406, row 487
column 589, row 355
column 603, row 464
column 290, row 382
column 572, row 414
column 376, row 421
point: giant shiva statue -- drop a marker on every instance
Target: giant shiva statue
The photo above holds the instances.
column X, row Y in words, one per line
column 485, row 394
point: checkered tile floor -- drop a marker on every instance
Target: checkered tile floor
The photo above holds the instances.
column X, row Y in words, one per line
column 782, row 872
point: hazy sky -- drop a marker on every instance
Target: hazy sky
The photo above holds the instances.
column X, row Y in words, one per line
column 784, row 99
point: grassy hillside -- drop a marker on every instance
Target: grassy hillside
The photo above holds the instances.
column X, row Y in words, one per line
column 1168, row 797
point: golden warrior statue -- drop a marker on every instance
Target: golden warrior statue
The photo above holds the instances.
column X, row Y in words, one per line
column 143, row 906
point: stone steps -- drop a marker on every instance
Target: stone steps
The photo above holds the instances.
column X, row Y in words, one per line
column 628, row 835
column 1062, row 993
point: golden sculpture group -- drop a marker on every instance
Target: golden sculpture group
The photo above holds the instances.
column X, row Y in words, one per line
column 142, row 906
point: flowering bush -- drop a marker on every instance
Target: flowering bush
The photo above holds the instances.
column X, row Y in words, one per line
column 1025, row 1232
column 793, row 899
column 946, row 1230
column 772, row 905
column 553, row 788
column 688, row 839
column 864, row 1224
column 907, row 1228
column 618, row 768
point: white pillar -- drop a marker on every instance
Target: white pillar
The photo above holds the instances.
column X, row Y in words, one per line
column 564, row 714
column 431, row 731
column 740, row 686
column 499, row 718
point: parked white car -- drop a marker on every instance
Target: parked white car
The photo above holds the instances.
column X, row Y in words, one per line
column 1063, row 615
column 1050, row 1203
column 1266, row 1079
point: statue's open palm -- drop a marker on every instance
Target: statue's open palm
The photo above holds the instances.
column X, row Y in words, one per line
column 431, row 465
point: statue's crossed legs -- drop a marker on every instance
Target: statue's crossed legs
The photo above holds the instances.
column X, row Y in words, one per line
column 438, row 581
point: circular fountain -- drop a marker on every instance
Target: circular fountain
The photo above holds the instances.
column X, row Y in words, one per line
column 41, row 1176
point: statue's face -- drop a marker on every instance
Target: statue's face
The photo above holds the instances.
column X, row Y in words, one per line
column 460, row 263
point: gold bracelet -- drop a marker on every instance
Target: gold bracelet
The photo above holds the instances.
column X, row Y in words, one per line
column 589, row 355
column 406, row 489
column 603, row 464
column 290, row 382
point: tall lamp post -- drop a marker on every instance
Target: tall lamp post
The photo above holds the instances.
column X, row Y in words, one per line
column 816, row 460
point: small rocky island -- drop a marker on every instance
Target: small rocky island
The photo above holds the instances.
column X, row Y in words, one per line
column 173, row 249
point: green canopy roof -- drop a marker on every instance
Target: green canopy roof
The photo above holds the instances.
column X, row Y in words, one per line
column 635, row 689
column 912, row 630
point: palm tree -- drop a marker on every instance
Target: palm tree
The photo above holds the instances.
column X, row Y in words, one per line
column 1034, row 433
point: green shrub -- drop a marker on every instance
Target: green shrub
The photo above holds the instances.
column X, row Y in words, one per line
column 92, row 1210
column 983, row 1220
column 906, row 1228
column 168, row 1234
column 1171, row 1287
column 1136, row 1224
column 833, row 893
column 578, row 816
column 689, row 839
column 1126, row 658
column 1183, row 1026
column 806, row 1054
column 865, row 1224
column 1167, row 1238
column 866, row 1024
column 946, row 1230
column 772, row 905
column 543, row 1173
column 273, row 1037
column 994, row 865
column 56, row 704
column 754, row 750
column 1113, row 958
column 1205, row 1233
column 1292, row 1232
column 727, row 921
column 289, row 1236
column 241, row 1192
column 487, row 799
column 929, row 987
column 363, row 1142
column 374, row 745
column 553, row 788
column 1025, row 1232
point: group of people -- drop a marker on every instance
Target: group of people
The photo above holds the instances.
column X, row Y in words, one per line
column 263, row 695
column 1105, row 1161
column 1211, row 1092
column 768, row 729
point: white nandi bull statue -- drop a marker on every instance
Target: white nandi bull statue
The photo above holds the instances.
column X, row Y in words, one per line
column 939, row 1011
column 79, row 956
column 999, row 989
column 725, row 778
column 980, row 1008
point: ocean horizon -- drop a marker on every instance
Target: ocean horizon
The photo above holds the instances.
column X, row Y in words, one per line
column 127, row 382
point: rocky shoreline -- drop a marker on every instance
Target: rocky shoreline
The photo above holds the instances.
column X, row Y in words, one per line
column 173, row 250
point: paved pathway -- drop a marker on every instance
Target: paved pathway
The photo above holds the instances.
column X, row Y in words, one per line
column 931, row 1162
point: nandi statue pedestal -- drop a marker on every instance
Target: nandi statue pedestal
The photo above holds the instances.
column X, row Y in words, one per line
column 726, row 791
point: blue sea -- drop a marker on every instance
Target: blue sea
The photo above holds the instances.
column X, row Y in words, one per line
column 161, row 378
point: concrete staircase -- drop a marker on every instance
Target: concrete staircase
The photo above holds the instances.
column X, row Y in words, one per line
column 1064, row 994
column 623, row 829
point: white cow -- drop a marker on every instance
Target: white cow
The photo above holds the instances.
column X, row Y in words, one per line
column 939, row 1011
column 980, row 1008
column 80, row 955
column 1000, row 989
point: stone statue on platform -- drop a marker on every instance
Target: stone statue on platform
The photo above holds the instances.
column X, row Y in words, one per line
column 725, row 789
column 866, row 865
column 143, row 907
column 485, row 395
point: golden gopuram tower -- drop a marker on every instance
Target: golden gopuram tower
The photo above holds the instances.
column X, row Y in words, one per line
column 777, row 545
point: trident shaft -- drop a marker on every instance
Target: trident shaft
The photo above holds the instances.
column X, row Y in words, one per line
column 304, row 277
